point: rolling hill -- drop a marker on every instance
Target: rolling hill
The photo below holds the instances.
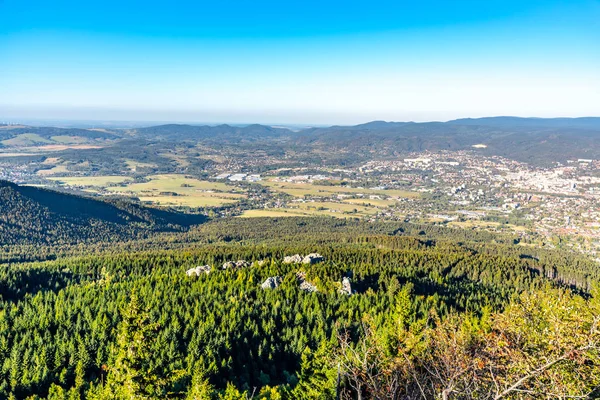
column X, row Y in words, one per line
column 31, row 215
column 218, row 132
column 23, row 136
column 533, row 140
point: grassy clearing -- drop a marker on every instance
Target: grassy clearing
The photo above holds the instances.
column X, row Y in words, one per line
column 69, row 139
column 165, row 190
column 295, row 212
column 26, row 139
column 307, row 189
column 188, row 201
column 472, row 224
column 134, row 165
column 13, row 154
column 49, row 148
column 58, row 169
column 96, row 181
column 379, row 203
column 327, row 207
column 178, row 190
column 52, row 161
column 174, row 183
column 272, row 212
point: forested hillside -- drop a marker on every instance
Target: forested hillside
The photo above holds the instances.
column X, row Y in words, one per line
column 532, row 140
column 31, row 215
column 426, row 316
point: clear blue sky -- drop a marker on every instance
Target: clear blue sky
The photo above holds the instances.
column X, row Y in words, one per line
column 298, row 61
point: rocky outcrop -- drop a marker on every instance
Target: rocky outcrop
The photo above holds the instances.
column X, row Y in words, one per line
column 199, row 270
column 271, row 282
column 295, row 259
column 346, row 286
column 236, row 264
column 305, row 285
column 313, row 258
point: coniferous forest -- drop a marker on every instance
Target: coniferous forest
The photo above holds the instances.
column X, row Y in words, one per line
column 382, row 311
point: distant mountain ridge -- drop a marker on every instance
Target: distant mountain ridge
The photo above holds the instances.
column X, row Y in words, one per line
column 533, row 140
column 186, row 132
column 540, row 141
column 22, row 136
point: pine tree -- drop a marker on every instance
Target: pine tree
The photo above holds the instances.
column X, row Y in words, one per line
column 201, row 389
column 133, row 376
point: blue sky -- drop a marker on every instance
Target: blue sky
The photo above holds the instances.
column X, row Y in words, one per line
column 298, row 62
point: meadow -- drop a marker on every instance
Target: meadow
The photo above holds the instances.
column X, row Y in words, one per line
column 95, row 181
column 308, row 189
column 180, row 190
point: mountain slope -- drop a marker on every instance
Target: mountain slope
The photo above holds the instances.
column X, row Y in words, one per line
column 32, row 215
column 534, row 140
column 23, row 136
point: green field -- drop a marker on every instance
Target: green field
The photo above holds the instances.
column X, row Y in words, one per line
column 26, row 139
column 307, row 189
column 331, row 208
column 96, row 181
column 165, row 190
column 380, row 203
column 58, row 169
column 200, row 200
column 182, row 191
column 179, row 184
column 69, row 139
column 273, row 212
column 134, row 165
column 327, row 209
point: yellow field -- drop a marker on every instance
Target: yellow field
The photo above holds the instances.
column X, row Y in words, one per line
column 296, row 212
column 17, row 154
column 167, row 189
column 25, row 139
column 380, row 203
column 134, row 165
column 271, row 212
column 199, row 200
column 329, row 208
column 304, row 189
column 37, row 150
column 51, row 161
column 59, row 169
column 189, row 192
column 173, row 183
column 69, row 139
column 486, row 225
column 97, row 181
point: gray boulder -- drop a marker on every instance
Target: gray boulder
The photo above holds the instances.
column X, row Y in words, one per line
column 236, row 264
column 305, row 285
column 346, row 286
column 313, row 258
column 271, row 282
column 199, row 270
column 295, row 259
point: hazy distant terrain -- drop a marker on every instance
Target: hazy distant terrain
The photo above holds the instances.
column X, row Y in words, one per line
column 534, row 140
